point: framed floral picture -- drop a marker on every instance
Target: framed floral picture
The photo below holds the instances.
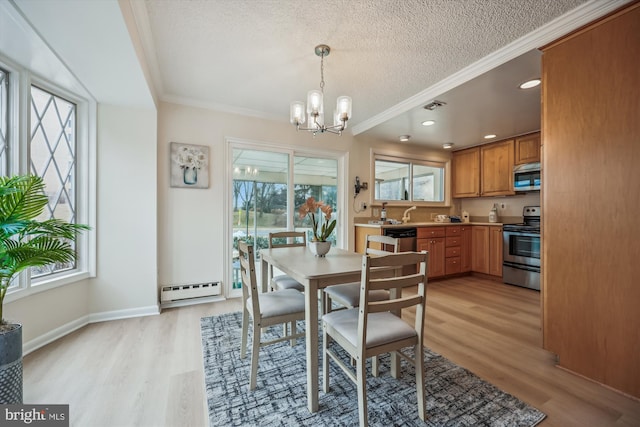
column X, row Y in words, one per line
column 189, row 165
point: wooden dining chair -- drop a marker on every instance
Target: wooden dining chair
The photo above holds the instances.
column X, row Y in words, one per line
column 373, row 329
column 291, row 239
column 284, row 307
column 348, row 295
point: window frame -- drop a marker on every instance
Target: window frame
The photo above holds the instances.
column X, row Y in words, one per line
column 19, row 134
column 342, row 157
column 411, row 160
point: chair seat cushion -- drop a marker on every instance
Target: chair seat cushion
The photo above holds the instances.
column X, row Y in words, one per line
column 279, row 303
column 348, row 294
column 286, row 282
column 382, row 328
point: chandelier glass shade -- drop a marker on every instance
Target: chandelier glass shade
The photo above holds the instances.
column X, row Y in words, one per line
column 313, row 114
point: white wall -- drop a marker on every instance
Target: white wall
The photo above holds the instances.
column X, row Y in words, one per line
column 191, row 239
column 127, row 214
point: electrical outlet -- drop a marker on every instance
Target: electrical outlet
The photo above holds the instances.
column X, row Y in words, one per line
column 434, row 215
column 503, row 205
column 375, row 212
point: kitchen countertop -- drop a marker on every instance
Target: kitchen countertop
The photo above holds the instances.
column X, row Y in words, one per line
column 425, row 224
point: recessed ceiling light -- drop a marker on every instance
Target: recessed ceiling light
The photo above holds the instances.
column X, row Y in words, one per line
column 529, row 84
column 489, row 136
column 447, row 145
column 404, row 138
column 428, row 123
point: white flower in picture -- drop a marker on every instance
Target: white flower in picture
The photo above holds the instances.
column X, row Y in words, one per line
column 190, row 157
column 189, row 165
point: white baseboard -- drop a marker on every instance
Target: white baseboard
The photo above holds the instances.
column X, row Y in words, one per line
column 74, row 325
column 53, row 335
column 124, row 314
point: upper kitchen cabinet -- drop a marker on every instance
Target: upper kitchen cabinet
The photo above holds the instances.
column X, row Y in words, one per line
column 527, row 149
column 496, row 169
column 466, row 173
column 484, row 171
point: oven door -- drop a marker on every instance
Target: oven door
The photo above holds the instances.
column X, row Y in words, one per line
column 521, row 248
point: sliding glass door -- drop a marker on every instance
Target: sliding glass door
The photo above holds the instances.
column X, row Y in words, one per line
column 267, row 187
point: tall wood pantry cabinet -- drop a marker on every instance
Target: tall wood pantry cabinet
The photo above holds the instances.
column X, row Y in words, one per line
column 591, row 152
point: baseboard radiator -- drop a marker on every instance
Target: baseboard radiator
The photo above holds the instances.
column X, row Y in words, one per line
column 169, row 294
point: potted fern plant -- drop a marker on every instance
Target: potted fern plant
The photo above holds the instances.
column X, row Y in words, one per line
column 25, row 242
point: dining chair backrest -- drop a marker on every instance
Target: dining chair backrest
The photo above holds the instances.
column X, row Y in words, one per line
column 371, row 282
column 291, row 238
column 382, row 244
column 248, row 274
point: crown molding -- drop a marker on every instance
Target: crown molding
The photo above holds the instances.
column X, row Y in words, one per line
column 547, row 33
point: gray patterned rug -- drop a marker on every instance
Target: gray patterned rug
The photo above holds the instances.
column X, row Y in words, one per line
column 455, row 396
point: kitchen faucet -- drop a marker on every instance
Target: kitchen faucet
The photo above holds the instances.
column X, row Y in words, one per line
column 405, row 216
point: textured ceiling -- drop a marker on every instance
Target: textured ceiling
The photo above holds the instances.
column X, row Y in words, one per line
column 254, row 57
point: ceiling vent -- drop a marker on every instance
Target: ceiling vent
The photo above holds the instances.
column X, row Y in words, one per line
column 434, row 104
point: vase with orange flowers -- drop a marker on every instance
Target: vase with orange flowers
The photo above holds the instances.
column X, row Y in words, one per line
column 322, row 224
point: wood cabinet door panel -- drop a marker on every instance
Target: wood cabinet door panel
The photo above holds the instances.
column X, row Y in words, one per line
column 496, row 174
column 452, row 266
column 428, row 232
column 452, row 252
column 465, row 248
column 453, row 241
column 436, row 249
column 527, row 149
column 495, row 251
column 480, row 251
column 466, row 173
column 452, row 230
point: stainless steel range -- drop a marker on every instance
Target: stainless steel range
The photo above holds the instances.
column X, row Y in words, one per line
column 521, row 250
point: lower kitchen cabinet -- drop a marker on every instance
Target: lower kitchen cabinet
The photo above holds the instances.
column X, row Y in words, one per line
column 453, row 245
column 465, row 248
column 480, row 251
column 432, row 239
column 495, row 251
column 486, row 254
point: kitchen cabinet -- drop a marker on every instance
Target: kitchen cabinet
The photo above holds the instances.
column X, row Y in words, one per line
column 495, row 251
column 484, row 171
column 486, row 254
column 480, row 249
column 527, row 149
column 465, row 248
column 465, row 165
column 496, row 169
column 590, row 265
column 432, row 239
column 452, row 250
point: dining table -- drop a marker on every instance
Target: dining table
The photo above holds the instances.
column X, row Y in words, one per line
column 314, row 273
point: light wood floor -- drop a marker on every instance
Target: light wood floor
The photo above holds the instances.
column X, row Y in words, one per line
column 148, row 371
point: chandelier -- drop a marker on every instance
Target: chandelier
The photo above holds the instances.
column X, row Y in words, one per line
column 315, row 108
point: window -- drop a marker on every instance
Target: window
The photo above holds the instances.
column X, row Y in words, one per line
column 52, row 155
column 44, row 131
column 411, row 180
column 4, row 120
column 266, row 188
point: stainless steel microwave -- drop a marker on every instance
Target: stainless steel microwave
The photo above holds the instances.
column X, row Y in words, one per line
column 526, row 177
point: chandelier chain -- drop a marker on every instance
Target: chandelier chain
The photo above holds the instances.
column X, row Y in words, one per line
column 322, row 73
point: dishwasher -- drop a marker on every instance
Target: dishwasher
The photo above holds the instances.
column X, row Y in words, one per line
column 407, row 243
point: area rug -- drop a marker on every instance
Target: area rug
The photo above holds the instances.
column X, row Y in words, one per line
column 455, row 396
